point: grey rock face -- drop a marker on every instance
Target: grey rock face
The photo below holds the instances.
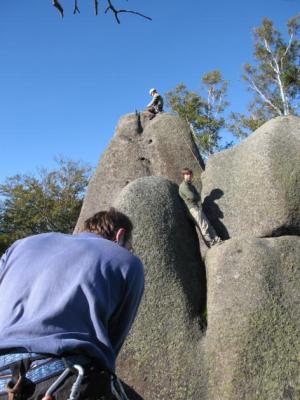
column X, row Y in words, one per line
column 253, row 337
column 253, row 189
column 251, row 349
column 160, row 147
column 160, row 356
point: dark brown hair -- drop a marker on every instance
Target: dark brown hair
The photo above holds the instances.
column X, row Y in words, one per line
column 186, row 171
column 107, row 223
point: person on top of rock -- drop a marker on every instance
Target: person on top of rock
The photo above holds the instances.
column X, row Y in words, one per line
column 67, row 304
column 191, row 197
column 156, row 105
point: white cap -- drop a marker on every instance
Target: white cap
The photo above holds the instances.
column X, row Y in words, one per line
column 152, row 90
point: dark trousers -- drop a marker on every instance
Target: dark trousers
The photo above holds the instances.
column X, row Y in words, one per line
column 95, row 386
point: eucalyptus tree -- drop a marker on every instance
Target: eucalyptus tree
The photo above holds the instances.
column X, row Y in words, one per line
column 274, row 77
column 203, row 110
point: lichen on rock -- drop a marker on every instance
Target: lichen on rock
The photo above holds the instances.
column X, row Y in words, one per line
column 160, row 359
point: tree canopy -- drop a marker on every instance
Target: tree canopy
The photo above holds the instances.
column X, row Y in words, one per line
column 42, row 202
column 273, row 79
column 202, row 110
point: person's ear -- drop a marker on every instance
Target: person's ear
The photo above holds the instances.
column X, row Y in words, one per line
column 120, row 236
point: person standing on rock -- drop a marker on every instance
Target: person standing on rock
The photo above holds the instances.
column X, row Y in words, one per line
column 191, row 197
column 156, row 105
column 67, row 304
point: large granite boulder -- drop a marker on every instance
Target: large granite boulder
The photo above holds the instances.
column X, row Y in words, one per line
column 253, row 337
column 161, row 357
column 251, row 349
column 253, row 189
column 141, row 147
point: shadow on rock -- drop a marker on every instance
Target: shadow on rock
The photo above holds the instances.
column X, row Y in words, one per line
column 214, row 214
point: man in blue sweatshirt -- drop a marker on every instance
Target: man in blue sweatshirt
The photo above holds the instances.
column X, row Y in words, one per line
column 67, row 303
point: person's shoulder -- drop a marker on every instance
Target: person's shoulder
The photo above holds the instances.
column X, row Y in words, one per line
column 28, row 243
column 33, row 238
column 135, row 268
column 136, row 261
column 47, row 237
column 182, row 184
column 130, row 265
column 126, row 256
column 109, row 250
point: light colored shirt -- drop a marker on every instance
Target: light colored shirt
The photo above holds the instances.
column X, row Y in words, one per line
column 157, row 102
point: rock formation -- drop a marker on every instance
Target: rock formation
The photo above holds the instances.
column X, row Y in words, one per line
column 253, row 338
column 251, row 347
column 252, row 344
column 253, row 189
column 141, row 147
column 160, row 357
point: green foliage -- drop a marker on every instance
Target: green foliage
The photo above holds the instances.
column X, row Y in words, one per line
column 202, row 112
column 274, row 79
column 50, row 201
column 242, row 125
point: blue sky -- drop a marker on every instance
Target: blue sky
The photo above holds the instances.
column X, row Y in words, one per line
column 65, row 83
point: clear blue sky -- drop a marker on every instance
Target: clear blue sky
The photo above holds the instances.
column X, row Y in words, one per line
column 65, row 83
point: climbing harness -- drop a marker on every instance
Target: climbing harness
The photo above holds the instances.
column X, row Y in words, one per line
column 19, row 369
column 55, row 384
column 76, row 385
column 75, row 390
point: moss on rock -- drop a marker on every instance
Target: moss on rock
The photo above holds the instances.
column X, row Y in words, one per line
column 160, row 359
column 253, row 336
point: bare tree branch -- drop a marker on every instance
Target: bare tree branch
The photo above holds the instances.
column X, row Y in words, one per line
column 76, row 9
column 288, row 46
column 110, row 7
column 96, row 6
column 267, row 47
column 58, row 6
column 264, row 97
column 277, row 71
column 116, row 12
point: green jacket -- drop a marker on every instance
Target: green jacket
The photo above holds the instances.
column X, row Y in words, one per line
column 189, row 194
